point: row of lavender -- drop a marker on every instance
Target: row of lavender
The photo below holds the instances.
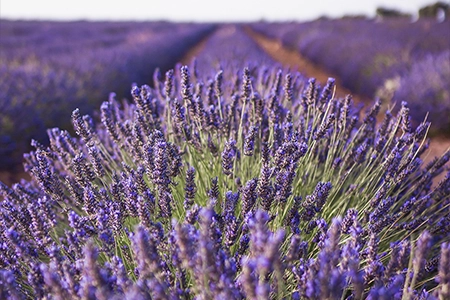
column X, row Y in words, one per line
column 395, row 60
column 228, row 49
column 229, row 184
column 49, row 68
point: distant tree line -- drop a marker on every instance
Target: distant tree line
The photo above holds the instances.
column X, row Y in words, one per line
column 439, row 10
column 383, row 12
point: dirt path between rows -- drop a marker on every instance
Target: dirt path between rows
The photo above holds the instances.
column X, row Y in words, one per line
column 11, row 177
column 294, row 59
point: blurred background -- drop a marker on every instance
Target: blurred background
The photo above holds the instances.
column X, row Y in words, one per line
column 56, row 56
column 202, row 10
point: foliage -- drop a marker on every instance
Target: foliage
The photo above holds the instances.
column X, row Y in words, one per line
column 384, row 12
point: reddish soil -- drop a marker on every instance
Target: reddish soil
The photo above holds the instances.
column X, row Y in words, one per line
column 10, row 177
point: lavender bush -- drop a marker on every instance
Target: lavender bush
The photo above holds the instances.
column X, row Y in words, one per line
column 261, row 187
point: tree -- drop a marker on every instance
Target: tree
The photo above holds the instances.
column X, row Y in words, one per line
column 383, row 12
column 433, row 10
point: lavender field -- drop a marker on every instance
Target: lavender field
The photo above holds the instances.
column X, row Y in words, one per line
column 228, row 176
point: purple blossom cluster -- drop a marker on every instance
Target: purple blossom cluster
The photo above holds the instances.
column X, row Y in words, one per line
column 47, row 69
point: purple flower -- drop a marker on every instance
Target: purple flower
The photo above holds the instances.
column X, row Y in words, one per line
column 246, row 85
column 288, row 90
column 160, row 171
column 405, row 118
column 265, row 189
column 310, row 97
column 324, row 127
column 108, row 121
column 249, row 196
column 53, row 281
column 81, row 128
column 228, row 157
column 298, row 249
column 190, row 188
column 374, row 268
column 326, row 94
column 443, row 277
column 10, row 287
column 314, row 203
column 168, row 85
column 186, row 85
column 249, row 281
column 370, row 117
column 95, row 281
column 283, row 183
column 249, row 141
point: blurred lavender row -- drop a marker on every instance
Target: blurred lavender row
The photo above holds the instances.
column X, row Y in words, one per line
column 49, row 68
column 380, row 58
column 228, row 49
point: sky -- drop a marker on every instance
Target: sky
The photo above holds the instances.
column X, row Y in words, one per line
column 198, row 10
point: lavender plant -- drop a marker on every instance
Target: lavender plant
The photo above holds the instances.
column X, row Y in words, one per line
column 264, row 186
